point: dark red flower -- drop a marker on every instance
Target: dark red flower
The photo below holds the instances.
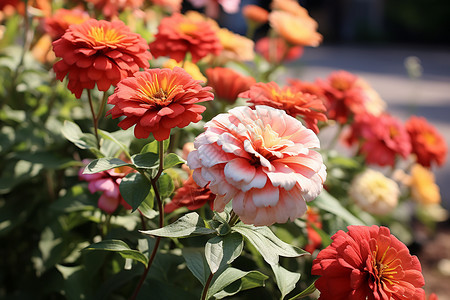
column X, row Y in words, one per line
column 294, row 102
column 427, row 144
column 368, row 263
column 177, row 35
column 382, row 138
column 227, row 83
column 99, row 52
column 157, row 100
column 190, row 195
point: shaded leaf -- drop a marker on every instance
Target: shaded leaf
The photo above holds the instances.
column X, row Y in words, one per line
column 196, row 262
column 120, row 247
column 153, row 147
column 73, row 133
column 146, row 160
column 165, row 185
column 306, row 292
column 223, row 250
column 286, row 280
column 172, row 160
column 230, row 275
column 103, row 164
column 330, row 204
column 134, row 188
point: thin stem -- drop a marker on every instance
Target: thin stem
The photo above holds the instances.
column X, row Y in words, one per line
column 234, row 218
column 205, row 289
column 102, row 106
column 94, row 118
column 153, row 182
column 336, row 137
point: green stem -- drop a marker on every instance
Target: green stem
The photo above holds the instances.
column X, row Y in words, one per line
column 102, row 106
column 153, row 182
column 94, row 118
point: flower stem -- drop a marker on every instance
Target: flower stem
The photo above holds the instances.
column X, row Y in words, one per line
column 94, row 118
column 161, row 218
column 102, row 106
column 207, row 284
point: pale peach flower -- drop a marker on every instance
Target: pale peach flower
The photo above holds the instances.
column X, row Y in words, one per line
column 424, row 189
column 373, row 103
column 191, row 68
column 235, row 47
column 262, row 159
column 290, row 6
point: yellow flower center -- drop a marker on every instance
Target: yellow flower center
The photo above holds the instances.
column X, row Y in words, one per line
column 188, row 28
column 105, row 36
column 71, row 19
column 385, row 269
column 157, row 92
column 429, row 138
column 340, row 84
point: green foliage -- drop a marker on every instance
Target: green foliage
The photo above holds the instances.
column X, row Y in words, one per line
column 120, row 247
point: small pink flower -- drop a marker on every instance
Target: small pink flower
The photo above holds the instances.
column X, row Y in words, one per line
column 263, row 159
column 212, row 6
column 107, row 183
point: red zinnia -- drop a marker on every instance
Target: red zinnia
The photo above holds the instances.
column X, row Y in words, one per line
column 294, row 102
column 59, row 22
column 99, row 52
column 178, row 35
column 157, row 100
column 382, row 137
column 277, row 50
column 227, row 83
column 345, row 97
column 368, row 263
column 314, row 239
column 190, row 195
column 427, row 143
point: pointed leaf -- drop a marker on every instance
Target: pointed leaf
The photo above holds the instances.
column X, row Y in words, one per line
column 153, row 147
column 146, row 160
column 328, row 203
column 165, row 185
column 120, row 247
column 73, row 133
column 172, row 160
column 223, row 250
column 109, row 136
column 103, row 164
column 187, row 225
column 196, row 263
column 134, row 188
column 306, row 292
column 286, row 280
column 267, row 243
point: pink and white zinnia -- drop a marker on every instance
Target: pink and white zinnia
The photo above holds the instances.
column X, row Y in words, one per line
column 263, row 160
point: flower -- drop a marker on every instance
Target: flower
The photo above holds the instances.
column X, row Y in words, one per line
column 312, row 221
column 235, row 47
column 367, row 263
column 290, row 6
column 382, row 138
column 107, row 182
column 255, row 13
column 276, row 50
column 373, row 104
column 294, row 29
column 212, row 6
column 308, row 87
column 424, row 189
column 227, row 83
column 172, row 6
column 263, row 159
column 345, row 97
column 427, row 144
column 177, row 35
column 190, row 195
column 433, row 296
column 59, row 22
column 112, row 8
column 191, row 68
column 99, row 52
column 295, row 103
column 157, row 100
column 374, row 192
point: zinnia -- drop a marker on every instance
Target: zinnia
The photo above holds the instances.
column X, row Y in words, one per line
column 177, row 35
column 294, row 102
column 255, row 13
column 227, row 83
column 157, row 100
column 368, row 263
column 427, row 144
column 374, row 192
column 59, row 22
column 112, row 8
column 276, row 50
column 107, row 183
column 99, row 52
column 212, row 9
column 424, row 189
column 263, row 159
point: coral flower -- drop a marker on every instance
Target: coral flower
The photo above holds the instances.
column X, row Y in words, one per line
column 308, row 87
column 345, row 97
column 314, row 239
column 424, row 189
column 374, row 192
column 191, row 68
column 294, row 29
column 190, row 195
column 368, row 263
column 255, row 13
column 177, row 35
column 295, row 103
column 234, row 47
column 276, row 50
column 157, row 100
column 99, row 52
column 107, row 183
column 263, row 159
column 59, row 22
column 227, row 83
column 112, row 8
column 382, row 138
column 427, row 144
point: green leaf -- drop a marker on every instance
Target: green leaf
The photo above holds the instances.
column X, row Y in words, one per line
column 267, row 243
column 146, row 160
column 196, row 263
column 330, row 204
column 165, row 185
column 223, row 250
column 73, row 133
column 230, row 275
column 103, row 164
column 187, row 225
column 109, row 136
column 286, row 280
column 134, row 188
column 153, row 147
column 118, row 246
column 146, row 207
column 306, row 292
column 172, row 160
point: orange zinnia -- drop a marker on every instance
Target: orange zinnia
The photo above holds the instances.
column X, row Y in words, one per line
column 177, row 35
column 112, row 8
column 427, row 144
column 290, row 6
column 294, row 102
column 255, row 13
column 59, row 22
column 99, row 52
column 228, row 84
column 157, row 100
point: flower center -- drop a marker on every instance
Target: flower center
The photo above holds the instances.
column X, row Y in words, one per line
column 341, row 84
column 73, row 19
column 157, row 92
column 188, row 28
column 105, row 36
column 429, row 138
column 386, row 267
